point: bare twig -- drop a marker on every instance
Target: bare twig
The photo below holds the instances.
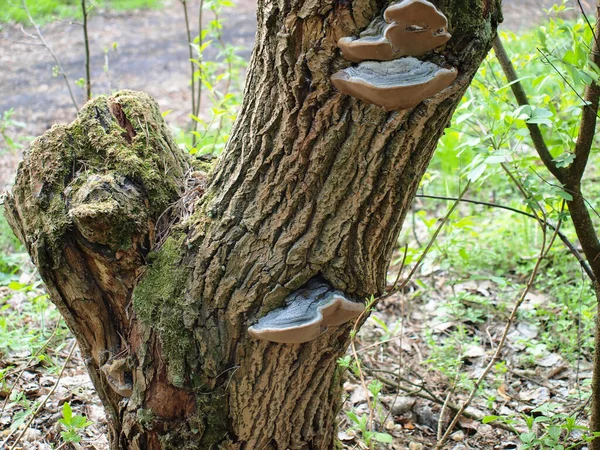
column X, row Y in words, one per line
column 56, row 60
column 499, row 348
column 88, row 77
column 422, row 392
column 361, row 376
column 41, row 405
column 394, row 289
column 191, row 57
column 427, row 248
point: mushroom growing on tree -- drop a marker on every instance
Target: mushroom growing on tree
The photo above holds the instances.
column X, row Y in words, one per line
column 307, row 314
column 309, row 186
column 411, row 28
column 397, row 84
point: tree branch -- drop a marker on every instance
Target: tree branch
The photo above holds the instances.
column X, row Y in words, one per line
column 589, row 117
column 86, row 40
column 56, row 60
column 536, row 135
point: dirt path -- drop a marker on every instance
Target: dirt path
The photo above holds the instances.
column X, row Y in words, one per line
column 151, row 55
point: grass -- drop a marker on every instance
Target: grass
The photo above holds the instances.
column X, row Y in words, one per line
column 11, row 11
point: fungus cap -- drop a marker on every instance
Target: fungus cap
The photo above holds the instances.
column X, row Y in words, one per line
column 366, row 48
column 306, row 315
column 414, row 27
column 416, row 13
column 397, row 84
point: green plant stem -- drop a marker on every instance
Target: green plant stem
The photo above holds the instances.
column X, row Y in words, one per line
column 571, row 178
column 199, row 94
column 191, row 56
column 56, row 60
column 517, row 88
column 88, row 78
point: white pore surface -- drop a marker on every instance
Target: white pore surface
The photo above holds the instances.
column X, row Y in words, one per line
column 398, row 72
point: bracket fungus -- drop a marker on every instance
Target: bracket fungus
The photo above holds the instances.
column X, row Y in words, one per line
column 413, row 28
column 306, row 315
column 397, row 84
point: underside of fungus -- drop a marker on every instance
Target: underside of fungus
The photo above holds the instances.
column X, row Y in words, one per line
column 414, row 27
column 397, row 84
column 307, row 314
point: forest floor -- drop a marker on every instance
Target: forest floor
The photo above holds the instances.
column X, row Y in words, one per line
column 151, row 55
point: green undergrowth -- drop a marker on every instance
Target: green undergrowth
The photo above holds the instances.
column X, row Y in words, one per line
column 27, row 318
column 11, row 11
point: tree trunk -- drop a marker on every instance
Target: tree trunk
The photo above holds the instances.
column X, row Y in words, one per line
column 159, row 268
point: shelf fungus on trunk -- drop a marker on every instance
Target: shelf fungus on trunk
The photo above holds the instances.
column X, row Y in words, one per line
column 397, row 84
column 411, row 28
column 306, row 315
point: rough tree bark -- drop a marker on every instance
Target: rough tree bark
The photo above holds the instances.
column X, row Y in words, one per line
column 159, row 267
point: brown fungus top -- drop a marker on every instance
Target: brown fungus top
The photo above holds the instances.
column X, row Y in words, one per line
column 414, row 28
column 397, row 84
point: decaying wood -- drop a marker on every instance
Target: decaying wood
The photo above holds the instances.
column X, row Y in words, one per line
column 312, row 185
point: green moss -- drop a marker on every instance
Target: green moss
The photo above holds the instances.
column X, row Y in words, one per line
column 214, row 414
column 145, row 417
column 205, row 166
column 64, row 159
column 159, row 301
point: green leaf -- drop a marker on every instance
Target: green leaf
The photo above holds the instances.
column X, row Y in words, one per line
column 476, row 173
column 383, row 438
column 70, row 436
column 527, row 438
column 540, row 116
column 489, row 419
column 353, row 417
column 67, row 412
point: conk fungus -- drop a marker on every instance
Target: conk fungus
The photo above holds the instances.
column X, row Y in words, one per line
column 414, row 28
column 366, row 48
column 306, row 315
column 397, row 84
